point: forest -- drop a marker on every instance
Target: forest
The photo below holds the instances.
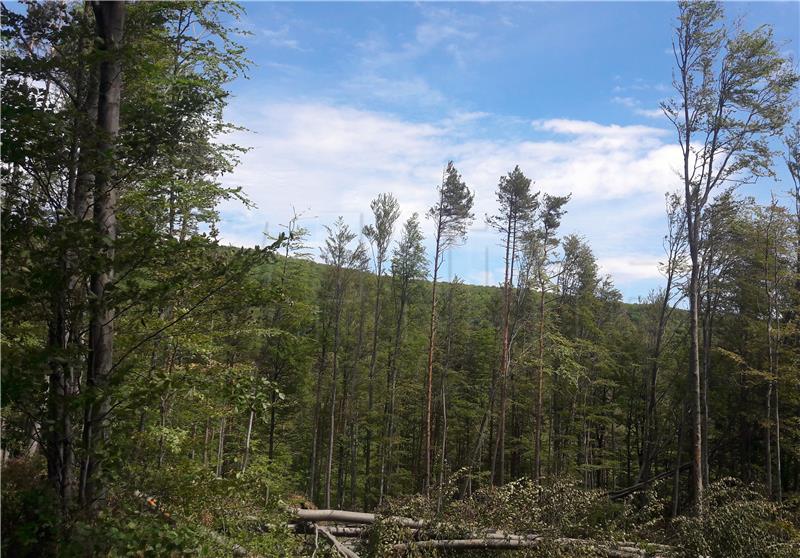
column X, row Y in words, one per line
column 164, row 394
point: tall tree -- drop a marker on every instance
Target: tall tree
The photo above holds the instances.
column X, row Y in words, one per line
column 408, row 267
column 110, row 26
column 517, row 205
column 668, row 298
column 385, row 210
column 542, row 243
column 732, row 94
column 451, row 216
column 340, row 256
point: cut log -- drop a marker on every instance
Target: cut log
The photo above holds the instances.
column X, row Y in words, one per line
column 516, row 542
column 305, row 522
column 343, row 516
column 468, row 544
column 335, row 530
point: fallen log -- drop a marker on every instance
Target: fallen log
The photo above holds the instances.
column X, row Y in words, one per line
column 335, row 530
column 468, row 544
column 622, row 492
column 306, row 522
column 343, row 516
column 521, row 542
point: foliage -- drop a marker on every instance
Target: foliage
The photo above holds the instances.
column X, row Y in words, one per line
column 739, row 522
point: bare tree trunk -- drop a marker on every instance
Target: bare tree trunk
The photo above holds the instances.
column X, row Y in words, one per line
column 162, row 423
column 499, row 475
column 110, row 20
column 442, row 456
column 271, row 442
column 694, row 359
column 248, row 435
column 537, row 449
column 221, row 447
column 768, row 442
column 779, row 471
column 707, row 333
column 771, row 353
column 676, row 487
column 372, row 363
column 312, row 477
column 391, row 386
column 206, row 440
column 192, row 438
column 431, row 347
column 332, row 422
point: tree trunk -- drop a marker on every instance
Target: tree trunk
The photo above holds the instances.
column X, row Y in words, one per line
column 431, row 347
column 221, row 447
column 110, row 21
column 694, row 358
column 442, row 455
column 248, row 435
column 499, row 475
column 768, row 442
column 778, row 471
column 372, row 363
column 206, row 441
column 537, row 449
column 676, row 486
column 271, row 443
column 312, row 477
column 332, row 422
column 392, row 389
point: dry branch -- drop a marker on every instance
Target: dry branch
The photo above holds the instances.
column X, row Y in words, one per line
column 305, row 522
column 341, row 549
column 621, row 493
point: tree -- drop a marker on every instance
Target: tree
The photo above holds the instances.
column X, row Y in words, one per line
column 668, row 298
column 541, row 244
column 114, row 235
column 451, row 216
column 517, row 205
column 386, row 211
column 110, row 25
column 732, row 94
column 285, row 347
column 338, row 254
column 408, row 267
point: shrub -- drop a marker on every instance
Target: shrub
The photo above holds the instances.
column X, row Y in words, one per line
column 738, row 522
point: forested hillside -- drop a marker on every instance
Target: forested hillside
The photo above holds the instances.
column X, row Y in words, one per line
column 165, row 394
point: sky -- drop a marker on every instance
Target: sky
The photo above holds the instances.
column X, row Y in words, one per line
column 348, row 100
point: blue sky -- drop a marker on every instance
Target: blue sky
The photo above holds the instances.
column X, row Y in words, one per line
column 349, row 100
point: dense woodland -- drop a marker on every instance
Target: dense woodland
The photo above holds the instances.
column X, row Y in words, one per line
column 163, row 394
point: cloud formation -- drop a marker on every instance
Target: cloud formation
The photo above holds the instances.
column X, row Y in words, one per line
column 333, row 159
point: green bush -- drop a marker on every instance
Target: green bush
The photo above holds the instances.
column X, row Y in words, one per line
column 29, row 516
column 738, row 522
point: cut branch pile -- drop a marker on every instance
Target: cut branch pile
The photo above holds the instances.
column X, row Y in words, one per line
column 349, row 524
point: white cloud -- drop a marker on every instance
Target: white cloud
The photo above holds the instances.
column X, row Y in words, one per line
column 450, row 31
column 335, row 159
column 280, row 38
column 389, row 90
column 631, row 267
column 649, row 113
column 635, row 106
